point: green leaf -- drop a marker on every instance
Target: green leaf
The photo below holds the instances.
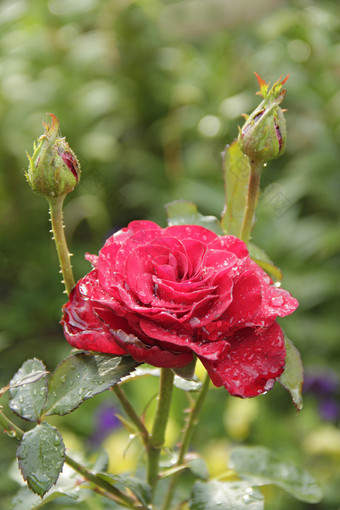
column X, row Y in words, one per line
column 182, row 212
column 41, row 455
column 292, row 377
column 27, row 500
column 216, row 495
column 261, row 258
column 81, row 376
column 198, row 468
column 140, row 489
column 260, row 466
column 236, row 169
column 28, row 390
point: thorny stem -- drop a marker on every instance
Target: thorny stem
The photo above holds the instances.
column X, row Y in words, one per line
column 56, row 213
column 252, row 198
column 188, row 432
column 156, row 440
column 132, row 414
column 8, row 425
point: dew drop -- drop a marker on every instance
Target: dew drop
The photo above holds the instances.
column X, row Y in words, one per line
column 40, row 478
column 269, row 384
column 277, row 301
column 57, row 441
column 194, row 322
column 10, row 433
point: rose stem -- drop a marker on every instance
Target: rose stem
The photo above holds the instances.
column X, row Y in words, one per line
column 188, row 432
column 251, row 203
column 56, row 214
column 156, row 440
column 91, row 477
column 132, row 414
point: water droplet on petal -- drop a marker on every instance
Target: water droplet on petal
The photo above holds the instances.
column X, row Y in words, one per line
column 194, row 322
column 276, row 301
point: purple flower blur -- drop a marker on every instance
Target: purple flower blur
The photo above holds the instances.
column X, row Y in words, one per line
column 325, row 387
column 105, row 423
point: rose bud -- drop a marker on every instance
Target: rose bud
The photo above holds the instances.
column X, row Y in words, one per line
column 263, row 136
column 54, row 169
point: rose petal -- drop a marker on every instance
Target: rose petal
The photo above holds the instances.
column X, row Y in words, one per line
column 182, row 341
column 220, row 259
column 195, row 251
column 140, row 238
column 153, row 355
column 230, row 244
column 223, row 298
column 255, row 360
column 276, row 303
column 84, row 330
column 191, row 232
column 247, row 299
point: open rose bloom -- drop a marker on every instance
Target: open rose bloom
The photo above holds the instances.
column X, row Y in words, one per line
column 166, row 295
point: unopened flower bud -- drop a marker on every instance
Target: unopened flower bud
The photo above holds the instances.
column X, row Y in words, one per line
column 263, row 136
column 54, row 169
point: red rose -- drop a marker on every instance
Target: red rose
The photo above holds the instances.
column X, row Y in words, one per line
column 164, row 295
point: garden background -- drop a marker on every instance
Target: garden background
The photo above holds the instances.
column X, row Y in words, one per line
column 148, row 93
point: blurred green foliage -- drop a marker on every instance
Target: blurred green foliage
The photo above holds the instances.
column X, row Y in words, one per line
column 148, row 92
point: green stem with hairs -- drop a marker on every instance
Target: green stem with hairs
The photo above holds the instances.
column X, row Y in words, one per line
column 188, row 432
column 252, row 199
column 56, row 214
column 157, row 438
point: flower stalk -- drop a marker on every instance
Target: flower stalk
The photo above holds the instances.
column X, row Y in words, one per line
column 188, row 433
column 157, row 437
column 126, row 405
column 251, row 200
column 56, row 215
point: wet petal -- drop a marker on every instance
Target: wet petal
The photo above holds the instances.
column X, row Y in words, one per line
column 84, row 330
column 154, row 355
column 230, row 244
column 255, row 360
column 247, row 298
column 191, row 232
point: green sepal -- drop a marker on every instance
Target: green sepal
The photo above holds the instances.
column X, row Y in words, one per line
column 292, row 377
column 188, row 371
column 261, row 258
column 236, row 171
